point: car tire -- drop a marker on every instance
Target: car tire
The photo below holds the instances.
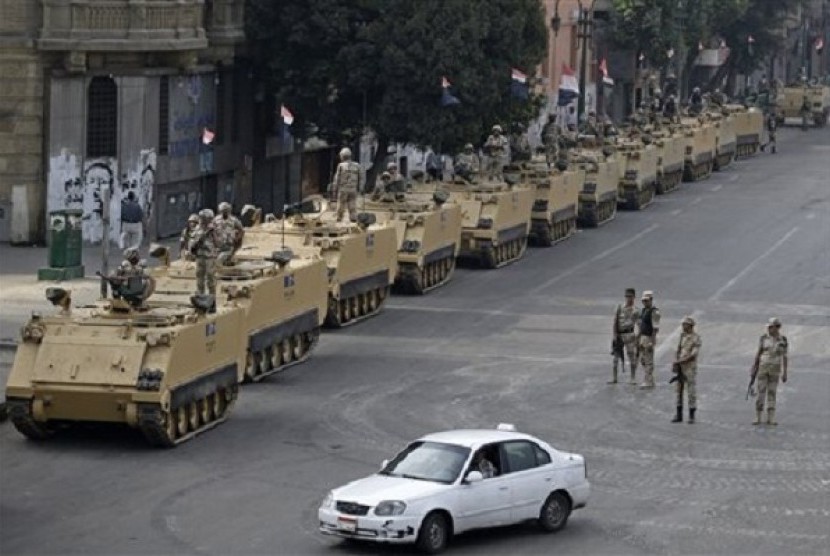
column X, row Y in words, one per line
column 434, row 533
column 554, row 513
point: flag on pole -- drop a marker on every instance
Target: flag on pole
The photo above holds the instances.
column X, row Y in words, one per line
column 670, row 53
column 699, row 45
column 447, row 98
column 286, row 115
column 518, row 84
column 207, row 136
column 641, row 57
column 568, row 86
column 603, row 68
column 819, row 44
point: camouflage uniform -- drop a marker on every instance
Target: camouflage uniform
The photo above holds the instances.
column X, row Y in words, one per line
column 228, row 233
column 550, row 138
column 185, row 238
column 772, row 357
column 688, row 347
column 347, row 180
column 128, row 269
column 625, row 318
column 203, row 245
column 497, row 156
column 649, row 325
column 467, row 164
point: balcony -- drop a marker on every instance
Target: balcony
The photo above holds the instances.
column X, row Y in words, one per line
column 127, row 25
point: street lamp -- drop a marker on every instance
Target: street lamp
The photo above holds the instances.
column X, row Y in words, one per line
column 585, row 24
column 556, row 20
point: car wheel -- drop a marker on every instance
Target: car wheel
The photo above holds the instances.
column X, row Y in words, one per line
column 433, row 534
column 554, row 513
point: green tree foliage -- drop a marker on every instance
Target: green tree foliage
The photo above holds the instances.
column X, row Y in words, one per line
column 350, row 65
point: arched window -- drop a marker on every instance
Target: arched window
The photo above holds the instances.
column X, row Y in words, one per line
column 102, row 118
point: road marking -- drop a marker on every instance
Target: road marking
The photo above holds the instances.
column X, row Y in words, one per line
column 696, row 201
column 716, row 188
column 752, row 265
column 675, row 212
column 594, row 259
column 811, row 216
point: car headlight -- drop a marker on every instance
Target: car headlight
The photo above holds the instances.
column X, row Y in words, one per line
column 390, row 507
column 328, row 501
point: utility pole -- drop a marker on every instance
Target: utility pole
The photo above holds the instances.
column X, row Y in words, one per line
column 585, row 23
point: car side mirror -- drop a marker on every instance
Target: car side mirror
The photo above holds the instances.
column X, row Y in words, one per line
column 384, row 463
column 474, row 477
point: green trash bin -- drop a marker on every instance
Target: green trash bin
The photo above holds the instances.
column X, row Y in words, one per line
column 65, row 246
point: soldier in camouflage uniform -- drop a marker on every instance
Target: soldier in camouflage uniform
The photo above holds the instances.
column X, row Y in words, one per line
column 625, row 318
column 496, row 148
column 688, row 349
column 647, row 337
column 550, row 138
column 203, row 246
column 132, row 265
column 229, row 233
column 185, row 237
column 770, row 365
column 467, row 165
column 347, row 182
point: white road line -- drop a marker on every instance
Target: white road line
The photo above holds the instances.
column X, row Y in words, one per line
column 752, row 265
column 811, row 215
column 675, row 212
column 594, row 259
column 716, row 188
column 696, row 201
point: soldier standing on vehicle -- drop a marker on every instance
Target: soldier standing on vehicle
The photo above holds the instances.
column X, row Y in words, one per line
column 203, row 246
column 625, row 318
column 550, row 138
column 770, row 365
column 186, row 236
column 497, row 154
column 685, row 365
column 229, row 233
column 347, row 182
column 467, row 164
column 647, row 337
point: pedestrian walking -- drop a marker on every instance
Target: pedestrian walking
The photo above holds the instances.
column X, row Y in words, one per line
column 624, row 343
column 348, row 180
column 685, row 368
column 648, row 327
column 229, row 233
column 203, row 246
column 770, row 366
column 132, row 222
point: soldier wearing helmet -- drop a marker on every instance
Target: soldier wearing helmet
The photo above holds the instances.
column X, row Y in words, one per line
column 186, row 236
column 467, row 165
column 203, row 246
column 229, row 233
column 770, row 366
column 498, row 155
column 396, row 182
column 348, row 181
column 132, row 265
column 685, row 366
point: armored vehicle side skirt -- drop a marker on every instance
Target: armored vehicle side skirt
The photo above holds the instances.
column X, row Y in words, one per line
column 281, row 346
column 359, row 299
column 437, row 269
column 562, row 225
column 595, row 211
column 700, row 168
column 669, row 178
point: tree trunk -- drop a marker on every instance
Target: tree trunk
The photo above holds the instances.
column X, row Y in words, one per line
column 377, row 162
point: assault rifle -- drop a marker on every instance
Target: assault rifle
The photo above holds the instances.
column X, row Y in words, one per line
column 678, row 374
column 753, row 375
column 617, row 348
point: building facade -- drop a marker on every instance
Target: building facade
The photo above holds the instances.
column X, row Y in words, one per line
column 112, row 96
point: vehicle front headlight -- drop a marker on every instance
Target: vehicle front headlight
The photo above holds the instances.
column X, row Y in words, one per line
column 390, row 507
column 328, row 501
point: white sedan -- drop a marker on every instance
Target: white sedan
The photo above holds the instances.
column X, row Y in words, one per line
column 449, row 482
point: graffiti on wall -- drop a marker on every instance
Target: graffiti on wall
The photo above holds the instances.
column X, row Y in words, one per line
column 77, row 185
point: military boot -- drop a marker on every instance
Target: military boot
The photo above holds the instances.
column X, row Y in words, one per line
column 757, row 420
column 692, row 415
column 633, row 377
column 679, row 417
column 613, row 377
column 771, row 417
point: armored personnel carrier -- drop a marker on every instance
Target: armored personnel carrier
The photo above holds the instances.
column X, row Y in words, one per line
column 749, row 126
column 428, row 233
column 670, row 158
column 638, row 172
column 557, row 193
column 792, row 99
column 495, row 220
column 598, row 196
column 725, row 139
column 283, row 295
column 166, row 368
column 361, row 258
column 700, row 145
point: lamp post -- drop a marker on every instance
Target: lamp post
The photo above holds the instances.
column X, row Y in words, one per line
column 585, row 24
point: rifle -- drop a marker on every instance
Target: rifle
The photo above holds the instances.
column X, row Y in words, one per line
column 678, row 374
column 753, row 375
column 617, row 350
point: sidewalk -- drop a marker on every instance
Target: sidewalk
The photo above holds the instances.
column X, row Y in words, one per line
column 21, row 293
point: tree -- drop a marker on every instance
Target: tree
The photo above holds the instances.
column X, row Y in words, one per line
column 348, row 66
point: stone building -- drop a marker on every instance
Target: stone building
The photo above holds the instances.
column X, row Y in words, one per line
column 117, row 95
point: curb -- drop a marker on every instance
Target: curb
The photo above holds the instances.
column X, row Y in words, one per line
column 7, row 344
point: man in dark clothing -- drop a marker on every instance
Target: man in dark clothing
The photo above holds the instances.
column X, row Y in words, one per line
column 132, row 222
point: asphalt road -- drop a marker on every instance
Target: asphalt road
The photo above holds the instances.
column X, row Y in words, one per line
column 526, row 344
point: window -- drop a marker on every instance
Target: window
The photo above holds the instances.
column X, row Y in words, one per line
column 102, row 118
column 519, row 456
column 164, row 114
column 542, row 457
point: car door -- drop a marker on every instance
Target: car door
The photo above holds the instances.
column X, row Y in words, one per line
column 530, row 477
column 486, row 503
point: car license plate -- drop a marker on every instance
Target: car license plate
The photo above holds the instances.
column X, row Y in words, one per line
column 347, row 524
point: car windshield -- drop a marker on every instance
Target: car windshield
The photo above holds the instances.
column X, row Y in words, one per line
column 428, row 461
